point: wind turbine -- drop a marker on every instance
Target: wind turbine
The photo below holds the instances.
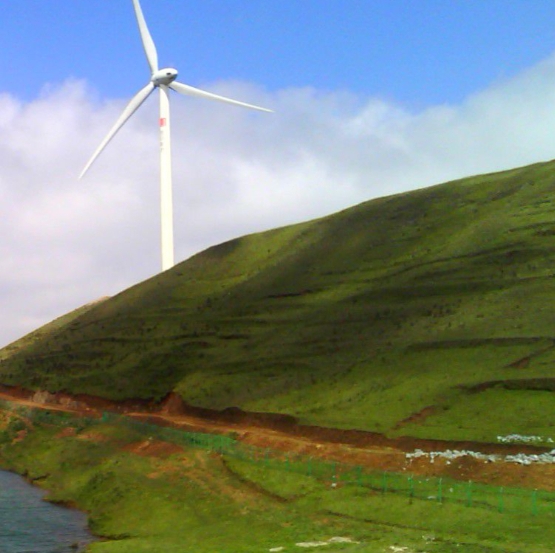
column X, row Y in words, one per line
column 163, row 79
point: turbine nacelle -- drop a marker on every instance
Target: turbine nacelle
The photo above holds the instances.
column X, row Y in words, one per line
column 164, row 76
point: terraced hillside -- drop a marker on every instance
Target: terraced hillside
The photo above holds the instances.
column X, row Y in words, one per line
column 427, row 313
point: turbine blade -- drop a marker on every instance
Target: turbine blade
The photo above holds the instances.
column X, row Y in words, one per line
column 129, row 110
column 192, row 91
column 148, row 43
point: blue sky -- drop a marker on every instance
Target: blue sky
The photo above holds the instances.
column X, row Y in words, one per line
column 417, row 53
column 371, row 97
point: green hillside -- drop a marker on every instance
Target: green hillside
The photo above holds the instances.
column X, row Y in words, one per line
column 44, row 332
column 439, row 298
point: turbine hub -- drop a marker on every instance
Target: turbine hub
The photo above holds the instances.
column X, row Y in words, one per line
column 164, row 76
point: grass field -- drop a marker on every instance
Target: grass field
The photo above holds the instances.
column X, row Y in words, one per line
column 149, row 496
column 362, row 319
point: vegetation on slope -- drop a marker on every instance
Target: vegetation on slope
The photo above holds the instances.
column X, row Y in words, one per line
column 44, row 332
column 360, row 319
column 145, row 495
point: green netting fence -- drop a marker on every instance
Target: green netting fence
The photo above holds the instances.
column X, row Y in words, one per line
column 441, row 490
column 334, row 474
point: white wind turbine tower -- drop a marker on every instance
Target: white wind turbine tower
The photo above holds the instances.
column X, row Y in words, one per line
column 163, row 79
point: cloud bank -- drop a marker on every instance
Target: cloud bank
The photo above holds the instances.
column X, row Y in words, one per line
column 65, row 242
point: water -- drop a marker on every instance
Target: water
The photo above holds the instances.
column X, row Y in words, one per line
column 30, row 525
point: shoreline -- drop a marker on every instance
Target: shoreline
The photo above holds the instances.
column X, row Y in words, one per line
column 85, row 535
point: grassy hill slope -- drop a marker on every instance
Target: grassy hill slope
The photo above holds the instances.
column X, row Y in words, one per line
column 44, row 332
column 435, row 302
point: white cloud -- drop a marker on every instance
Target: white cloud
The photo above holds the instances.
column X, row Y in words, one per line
column 65, row 242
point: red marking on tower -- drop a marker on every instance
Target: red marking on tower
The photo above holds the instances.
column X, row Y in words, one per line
column 163, row 121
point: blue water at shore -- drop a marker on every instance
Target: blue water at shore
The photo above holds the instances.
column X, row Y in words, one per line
column 30, row 525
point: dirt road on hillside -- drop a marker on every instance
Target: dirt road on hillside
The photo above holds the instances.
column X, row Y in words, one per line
column 282, row 433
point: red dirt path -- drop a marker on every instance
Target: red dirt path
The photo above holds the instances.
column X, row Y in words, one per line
column 283, row 433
